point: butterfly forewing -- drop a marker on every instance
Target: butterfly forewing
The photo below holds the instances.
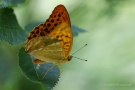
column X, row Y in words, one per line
column 61, row 12
column 63, row 33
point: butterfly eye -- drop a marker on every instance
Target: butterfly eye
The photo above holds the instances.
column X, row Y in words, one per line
column 69, row 58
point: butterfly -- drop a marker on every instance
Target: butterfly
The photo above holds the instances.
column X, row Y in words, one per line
column 52, row 40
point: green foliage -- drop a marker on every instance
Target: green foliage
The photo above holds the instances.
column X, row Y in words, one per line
column 35, row 73
column 4, row 3
column 10, row 31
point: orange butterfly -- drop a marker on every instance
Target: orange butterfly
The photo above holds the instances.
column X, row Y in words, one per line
column 52, row 41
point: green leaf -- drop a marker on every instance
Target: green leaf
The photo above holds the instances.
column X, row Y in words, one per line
column 10, row 31
column 35, row 72
column 5, row 3
column 76, row 30
column 31, row 26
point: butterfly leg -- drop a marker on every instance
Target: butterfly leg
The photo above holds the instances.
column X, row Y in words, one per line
column 61, row 69
column 48, row 71
column 59, row 73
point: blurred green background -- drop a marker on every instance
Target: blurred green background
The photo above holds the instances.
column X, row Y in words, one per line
column 110, row 51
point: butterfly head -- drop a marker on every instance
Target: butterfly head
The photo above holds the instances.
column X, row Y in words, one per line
column 69, row 58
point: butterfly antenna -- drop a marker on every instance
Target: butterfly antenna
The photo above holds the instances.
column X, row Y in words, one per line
column 79, row 58
column 79, row 49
